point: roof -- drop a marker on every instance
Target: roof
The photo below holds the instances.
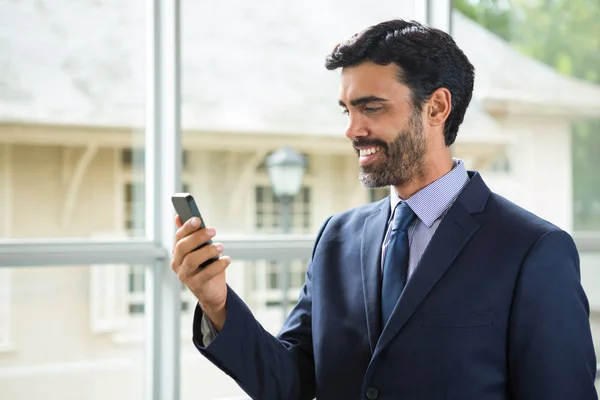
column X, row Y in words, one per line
column 505, row 75
column 247, row 66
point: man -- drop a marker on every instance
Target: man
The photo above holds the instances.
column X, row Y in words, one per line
column 444, row 290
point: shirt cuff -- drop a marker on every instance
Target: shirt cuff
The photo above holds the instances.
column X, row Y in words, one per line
column 207, row 331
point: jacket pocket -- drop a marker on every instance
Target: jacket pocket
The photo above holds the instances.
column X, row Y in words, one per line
column 475, row 319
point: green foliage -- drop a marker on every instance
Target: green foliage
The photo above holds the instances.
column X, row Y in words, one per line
column 564, row 34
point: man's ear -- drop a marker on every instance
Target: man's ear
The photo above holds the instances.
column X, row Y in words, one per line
column 439, row 107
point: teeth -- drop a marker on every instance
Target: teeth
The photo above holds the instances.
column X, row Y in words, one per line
column 369, row 151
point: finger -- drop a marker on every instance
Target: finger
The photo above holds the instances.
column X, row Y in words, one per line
column 196, row 283
column 194, row 259
column 186, row 229
column 216, row 268
column 188, row 244
column 196, row 239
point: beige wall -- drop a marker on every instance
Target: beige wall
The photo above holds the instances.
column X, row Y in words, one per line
column 40, row 180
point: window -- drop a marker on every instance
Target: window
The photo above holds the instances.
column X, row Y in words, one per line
column 267, row 286
column 135, row 289
column 135, row 292
column 134, row 191
column 132, row 163
column 268, row 213
column 274, row 274
column 134, row 208
column 135, row 158
column 118, row 290
column 109, row 303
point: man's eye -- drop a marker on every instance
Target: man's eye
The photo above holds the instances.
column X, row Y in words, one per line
column 370, row 110
column 345, row 111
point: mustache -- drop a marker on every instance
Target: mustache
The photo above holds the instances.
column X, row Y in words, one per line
column 369, row 143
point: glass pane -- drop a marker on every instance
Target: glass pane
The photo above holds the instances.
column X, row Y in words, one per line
column 70, row 333
column 72, row 116
column 533, row 127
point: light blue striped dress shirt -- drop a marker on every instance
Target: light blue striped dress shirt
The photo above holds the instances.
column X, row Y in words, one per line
column 430, row 204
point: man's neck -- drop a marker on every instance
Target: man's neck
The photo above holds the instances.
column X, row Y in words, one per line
column 433, row 171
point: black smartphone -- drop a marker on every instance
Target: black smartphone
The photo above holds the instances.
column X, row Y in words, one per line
column 186, row 208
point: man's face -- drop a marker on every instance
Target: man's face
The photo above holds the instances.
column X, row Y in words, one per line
column 385, row 129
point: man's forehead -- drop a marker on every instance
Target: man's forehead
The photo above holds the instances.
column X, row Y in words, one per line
column 369, row 70
column 370, row 80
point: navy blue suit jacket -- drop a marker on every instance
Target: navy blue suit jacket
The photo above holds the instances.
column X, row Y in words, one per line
column 495, row 310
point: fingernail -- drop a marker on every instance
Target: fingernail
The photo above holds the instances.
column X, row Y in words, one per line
column 195, row 222
column 210, row 232
column 219, row 247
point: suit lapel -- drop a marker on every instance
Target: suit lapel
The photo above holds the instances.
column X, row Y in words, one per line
column 370, row 255
column 452, row 235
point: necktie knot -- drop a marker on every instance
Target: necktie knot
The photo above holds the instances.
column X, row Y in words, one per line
column 403, row 217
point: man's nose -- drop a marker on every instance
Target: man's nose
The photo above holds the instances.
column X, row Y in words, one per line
column 356, row 127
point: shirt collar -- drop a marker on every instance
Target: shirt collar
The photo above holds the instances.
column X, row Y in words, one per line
column 431, row 202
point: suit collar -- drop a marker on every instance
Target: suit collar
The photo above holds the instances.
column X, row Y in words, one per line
column 475, row 195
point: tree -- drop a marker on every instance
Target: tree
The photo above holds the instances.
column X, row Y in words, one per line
column 564, row 34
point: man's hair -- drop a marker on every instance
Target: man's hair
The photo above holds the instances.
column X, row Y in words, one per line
column 428, row 59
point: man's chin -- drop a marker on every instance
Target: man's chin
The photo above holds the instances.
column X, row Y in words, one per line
column 378, row 179
column 371, row 180
column 373, row 168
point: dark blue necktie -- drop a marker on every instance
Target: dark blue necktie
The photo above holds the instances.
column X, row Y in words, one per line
column 395, row 266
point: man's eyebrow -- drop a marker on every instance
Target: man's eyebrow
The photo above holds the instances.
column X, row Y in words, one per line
column 363, row 100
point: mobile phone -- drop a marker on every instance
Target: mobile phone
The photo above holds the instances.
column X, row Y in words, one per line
column 186, row 208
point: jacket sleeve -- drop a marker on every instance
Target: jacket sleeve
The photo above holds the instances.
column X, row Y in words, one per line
column 551, row 354
column 264, row 366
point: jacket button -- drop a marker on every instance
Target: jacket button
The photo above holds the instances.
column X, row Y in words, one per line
column 372, row 393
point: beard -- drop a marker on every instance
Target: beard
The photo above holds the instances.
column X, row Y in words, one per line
column 403, row 159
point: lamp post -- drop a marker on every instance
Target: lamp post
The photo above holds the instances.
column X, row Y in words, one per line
column 286, row 172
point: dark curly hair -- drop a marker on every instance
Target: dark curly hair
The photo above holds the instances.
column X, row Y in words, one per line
column 428, row 59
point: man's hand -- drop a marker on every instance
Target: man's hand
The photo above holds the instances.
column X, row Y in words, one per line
column 207, row 284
